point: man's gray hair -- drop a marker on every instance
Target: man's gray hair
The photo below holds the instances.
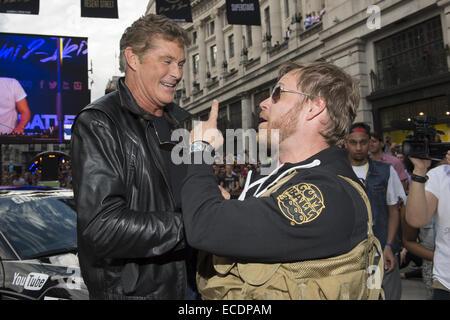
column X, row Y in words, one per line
column 140, row 34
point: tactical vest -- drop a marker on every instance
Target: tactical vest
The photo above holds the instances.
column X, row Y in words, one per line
column 347, row 276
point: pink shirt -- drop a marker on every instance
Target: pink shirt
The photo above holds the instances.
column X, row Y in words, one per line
column 397, row 164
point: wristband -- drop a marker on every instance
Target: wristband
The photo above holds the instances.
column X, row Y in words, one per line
column 390, row 245
column 420, row 179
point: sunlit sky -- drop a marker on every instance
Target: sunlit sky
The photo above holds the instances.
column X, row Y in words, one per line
column 63, row 18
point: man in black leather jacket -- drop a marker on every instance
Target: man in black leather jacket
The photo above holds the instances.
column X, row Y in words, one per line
column 130, row 231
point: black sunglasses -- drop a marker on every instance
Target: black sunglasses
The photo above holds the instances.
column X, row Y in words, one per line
column 276, row 93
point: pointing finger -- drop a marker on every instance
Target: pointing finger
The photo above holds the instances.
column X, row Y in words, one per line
column 214, row 111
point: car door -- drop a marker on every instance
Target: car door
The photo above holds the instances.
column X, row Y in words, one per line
column 6, row 255
column 2, row 277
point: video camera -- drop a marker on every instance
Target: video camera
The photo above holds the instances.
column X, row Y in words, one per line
column 421, row 143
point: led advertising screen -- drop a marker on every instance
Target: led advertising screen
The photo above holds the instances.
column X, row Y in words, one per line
column 53, row 71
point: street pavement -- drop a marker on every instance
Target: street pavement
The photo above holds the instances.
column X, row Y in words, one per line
column 413, row 289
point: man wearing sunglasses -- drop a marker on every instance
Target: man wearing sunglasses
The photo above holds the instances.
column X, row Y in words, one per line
column 302, row 231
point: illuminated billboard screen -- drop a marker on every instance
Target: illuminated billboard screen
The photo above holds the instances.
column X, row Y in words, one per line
column 53, row 71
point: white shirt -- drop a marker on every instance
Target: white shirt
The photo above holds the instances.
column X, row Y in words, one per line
column 439, row 185
column 394, row 189
column 10, row 92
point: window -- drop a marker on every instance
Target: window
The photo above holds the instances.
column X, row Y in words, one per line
column 195, row 63
column 258, row 98
column 222, row 120
column 231, row 45
column 286, row 8
column 213, row 55
column 204, row 116
column 46, row 223
column 433, row 107
column 211, row 28
column 411, row 54
column 194, row 37
column 236, row 115
column 249, row 36
column 267, row 19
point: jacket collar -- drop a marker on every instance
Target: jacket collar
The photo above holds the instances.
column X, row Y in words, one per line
column 332, row 156
column 172, row 112
column 327, row 156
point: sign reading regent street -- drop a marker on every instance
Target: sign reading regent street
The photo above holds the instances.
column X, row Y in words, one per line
column 19, row 6
column 99, row 9
column 177, row 10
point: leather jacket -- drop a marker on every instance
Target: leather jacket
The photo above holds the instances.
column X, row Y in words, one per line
column 130, row 233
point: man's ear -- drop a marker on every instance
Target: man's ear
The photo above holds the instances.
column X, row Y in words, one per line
column 316, row 107
column 132, row 58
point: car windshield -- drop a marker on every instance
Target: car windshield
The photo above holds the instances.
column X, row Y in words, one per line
column 37, row 222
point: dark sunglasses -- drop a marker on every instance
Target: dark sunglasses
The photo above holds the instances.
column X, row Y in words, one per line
column 278, row 89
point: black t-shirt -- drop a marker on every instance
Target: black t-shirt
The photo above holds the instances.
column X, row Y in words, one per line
column 161, row 134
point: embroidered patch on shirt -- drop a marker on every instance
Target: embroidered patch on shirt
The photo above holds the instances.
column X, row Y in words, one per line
column 301, row 203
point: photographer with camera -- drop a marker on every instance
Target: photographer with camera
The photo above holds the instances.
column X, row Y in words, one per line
column 428, row 195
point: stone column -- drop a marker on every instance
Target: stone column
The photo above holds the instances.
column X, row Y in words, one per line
column 246, row 103
column 238, row 44
column 219, row 39
column 275, row 22
column 257, row 40
column 187, row 78
column 202, row 54
column 445, row 4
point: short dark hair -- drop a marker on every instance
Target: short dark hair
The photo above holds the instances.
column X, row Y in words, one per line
column 139, row 36
column 378, row 136
column 360, row 127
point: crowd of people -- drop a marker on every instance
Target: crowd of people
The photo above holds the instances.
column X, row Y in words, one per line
column 314, row 17
column 22, row 178
column 14, row 178
column 310, row 20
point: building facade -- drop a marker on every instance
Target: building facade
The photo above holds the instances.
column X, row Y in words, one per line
column 398, row 50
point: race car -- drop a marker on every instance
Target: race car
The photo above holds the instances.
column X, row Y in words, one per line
column 38, row 245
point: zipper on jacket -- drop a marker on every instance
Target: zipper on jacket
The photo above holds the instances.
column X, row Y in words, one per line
column 158, row 164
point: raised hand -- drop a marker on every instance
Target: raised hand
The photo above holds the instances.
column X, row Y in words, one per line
column 207, row 130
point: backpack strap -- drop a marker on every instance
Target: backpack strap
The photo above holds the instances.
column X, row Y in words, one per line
column 374, row 293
